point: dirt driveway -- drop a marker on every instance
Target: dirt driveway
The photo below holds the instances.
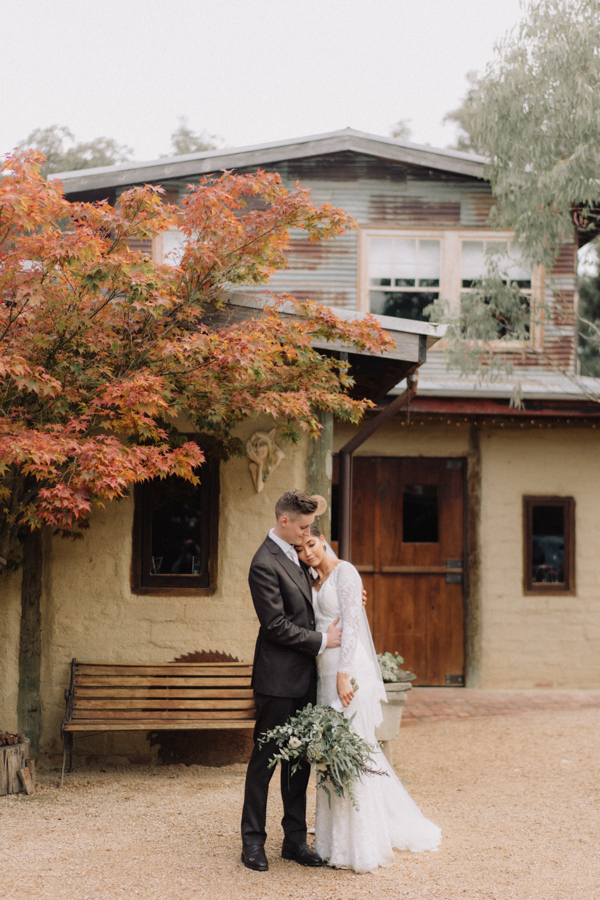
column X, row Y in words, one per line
column 517, row 797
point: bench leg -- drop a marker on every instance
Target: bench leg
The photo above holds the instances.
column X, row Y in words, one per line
column 62, row 774
column 67, row 743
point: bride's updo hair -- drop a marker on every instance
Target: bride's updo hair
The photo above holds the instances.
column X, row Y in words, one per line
column 315, row 530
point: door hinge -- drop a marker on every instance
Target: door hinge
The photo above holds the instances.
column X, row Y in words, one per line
column 455, row 679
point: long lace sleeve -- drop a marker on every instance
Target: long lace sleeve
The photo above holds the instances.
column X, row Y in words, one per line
column 349, row 588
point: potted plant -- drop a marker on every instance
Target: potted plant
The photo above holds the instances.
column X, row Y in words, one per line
column 397, row 684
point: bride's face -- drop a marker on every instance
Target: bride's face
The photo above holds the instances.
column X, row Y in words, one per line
column 312, row 550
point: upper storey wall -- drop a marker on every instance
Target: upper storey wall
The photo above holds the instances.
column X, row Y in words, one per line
column 389, row 197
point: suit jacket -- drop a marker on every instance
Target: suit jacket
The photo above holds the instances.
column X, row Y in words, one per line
column 287, row 643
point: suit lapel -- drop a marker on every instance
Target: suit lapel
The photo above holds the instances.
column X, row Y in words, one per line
column 298, row 573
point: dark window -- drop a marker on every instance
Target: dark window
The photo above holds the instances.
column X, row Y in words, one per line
column 175, row 533
column 402, row 304
column 420, row 523
column 549, row 534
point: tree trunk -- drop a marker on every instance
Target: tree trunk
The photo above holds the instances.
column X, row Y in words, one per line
column 29, row 707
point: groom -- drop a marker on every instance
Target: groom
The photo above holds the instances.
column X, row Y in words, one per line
column 284, row 676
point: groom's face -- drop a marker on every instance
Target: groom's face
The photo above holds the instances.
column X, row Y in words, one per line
column 295, row 529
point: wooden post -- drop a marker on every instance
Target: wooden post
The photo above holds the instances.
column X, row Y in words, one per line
column 29, row 705
column 473, row 593
column 318, row 469
column 25, row 777
column 31, row 766
column 13, row 757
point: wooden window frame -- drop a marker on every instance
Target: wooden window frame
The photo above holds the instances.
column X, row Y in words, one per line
column 203, row 584
column 417, row 288
column 566, row 588
column 450, row 288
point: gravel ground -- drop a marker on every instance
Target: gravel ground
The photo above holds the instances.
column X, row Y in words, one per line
column 518, row 800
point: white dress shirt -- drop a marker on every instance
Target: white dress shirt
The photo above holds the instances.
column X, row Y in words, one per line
column 290, row 552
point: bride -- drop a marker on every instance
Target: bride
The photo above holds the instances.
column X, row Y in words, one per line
column 360, row 839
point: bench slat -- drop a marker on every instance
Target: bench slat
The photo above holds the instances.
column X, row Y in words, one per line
column 171, row 693
column 87, row 703
column 200, row 679
column 174, row 725
column 216, row 669
column 158, row 714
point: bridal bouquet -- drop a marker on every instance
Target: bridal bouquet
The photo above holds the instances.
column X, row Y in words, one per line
column 322, row 735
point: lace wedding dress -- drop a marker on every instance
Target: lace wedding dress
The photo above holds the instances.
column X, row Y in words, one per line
column 387, row 817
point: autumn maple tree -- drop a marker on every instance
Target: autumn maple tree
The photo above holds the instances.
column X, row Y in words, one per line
column 101, row 348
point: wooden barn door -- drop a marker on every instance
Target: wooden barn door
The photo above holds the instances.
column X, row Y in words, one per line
column 408, row 544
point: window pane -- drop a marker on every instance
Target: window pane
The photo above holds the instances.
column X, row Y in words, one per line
column 403, row 262
column 516, row 268
column 420, row 514
column 176, row 528
column 548, row 544
column 172, row 247
column 429, row 260
column 402, row 304
column 381, row 253
column 508, row 258
column 472, row 261
column 405, row 253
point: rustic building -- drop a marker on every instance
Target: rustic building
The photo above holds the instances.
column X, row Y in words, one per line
column 473, row 524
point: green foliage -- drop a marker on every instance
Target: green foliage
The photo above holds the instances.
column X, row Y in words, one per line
column 401, row 131
column 535, row 115
column 323, row 736
column 464, row 117
column 537, row 121
column 184, row 140
column 57, row 143
column 389, row 664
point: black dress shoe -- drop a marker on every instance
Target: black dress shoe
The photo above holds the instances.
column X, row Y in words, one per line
column 301, row 853
column 253, row 857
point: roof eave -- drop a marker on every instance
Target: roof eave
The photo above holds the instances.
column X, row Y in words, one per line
column 265, row 154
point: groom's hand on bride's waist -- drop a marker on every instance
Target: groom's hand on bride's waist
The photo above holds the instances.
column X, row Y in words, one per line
column 334, row 634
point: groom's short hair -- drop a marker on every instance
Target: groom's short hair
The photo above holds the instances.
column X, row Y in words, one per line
column 293, row 504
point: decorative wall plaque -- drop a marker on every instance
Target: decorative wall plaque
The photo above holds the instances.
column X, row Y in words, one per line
column 264, row 455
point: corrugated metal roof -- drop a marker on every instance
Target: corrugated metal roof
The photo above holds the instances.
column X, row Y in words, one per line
column 437, row 380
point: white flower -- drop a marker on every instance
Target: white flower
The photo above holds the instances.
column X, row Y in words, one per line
column 294, row 743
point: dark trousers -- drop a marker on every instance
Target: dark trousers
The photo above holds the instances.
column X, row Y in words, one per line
column 271, row 712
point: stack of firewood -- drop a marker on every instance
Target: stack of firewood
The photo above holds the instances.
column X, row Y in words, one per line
column 6, row 738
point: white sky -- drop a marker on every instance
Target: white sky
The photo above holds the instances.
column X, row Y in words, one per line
column 246, row 70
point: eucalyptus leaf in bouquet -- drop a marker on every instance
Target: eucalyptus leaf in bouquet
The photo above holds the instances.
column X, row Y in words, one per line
column 322, row 736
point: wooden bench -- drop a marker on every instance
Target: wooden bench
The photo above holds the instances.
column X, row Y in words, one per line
column 169, row 696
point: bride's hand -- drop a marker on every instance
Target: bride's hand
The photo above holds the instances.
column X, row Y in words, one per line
column 344, row 689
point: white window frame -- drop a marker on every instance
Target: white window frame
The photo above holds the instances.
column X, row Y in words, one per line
column 450, row 287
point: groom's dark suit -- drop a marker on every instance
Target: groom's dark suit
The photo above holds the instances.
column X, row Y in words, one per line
column 284, row 681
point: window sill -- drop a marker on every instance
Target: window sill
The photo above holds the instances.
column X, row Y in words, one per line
column 173, row 592
column 549, row 591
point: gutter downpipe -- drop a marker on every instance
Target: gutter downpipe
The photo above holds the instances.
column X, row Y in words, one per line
column 346, row 454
